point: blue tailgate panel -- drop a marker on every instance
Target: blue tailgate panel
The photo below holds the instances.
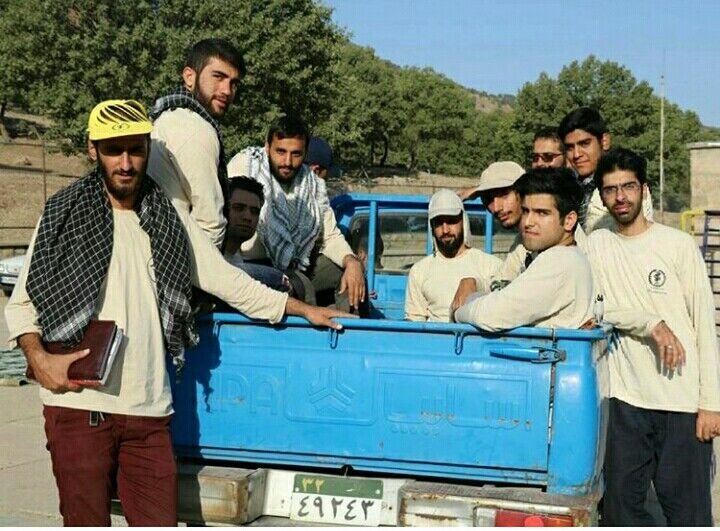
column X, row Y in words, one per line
column 372, row 398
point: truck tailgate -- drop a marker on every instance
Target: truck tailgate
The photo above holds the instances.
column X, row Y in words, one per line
column 427, row 399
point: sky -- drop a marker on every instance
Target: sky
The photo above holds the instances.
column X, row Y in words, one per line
column 498, row 45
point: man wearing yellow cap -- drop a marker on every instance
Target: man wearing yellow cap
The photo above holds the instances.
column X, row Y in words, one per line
column 112, row 247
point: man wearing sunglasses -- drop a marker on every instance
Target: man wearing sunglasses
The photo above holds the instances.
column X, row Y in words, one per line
column 664, row 370
column 548, row 149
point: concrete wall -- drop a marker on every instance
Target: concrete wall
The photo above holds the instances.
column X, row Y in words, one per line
column 705, row 175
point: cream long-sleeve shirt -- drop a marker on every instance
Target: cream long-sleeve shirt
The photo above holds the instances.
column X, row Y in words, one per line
column 333, row 243
column 125, row 298
column 514, row 263
column 184, row 159
column 138, row 383
column 433, row 281
column 556, row 291
column 658, row 275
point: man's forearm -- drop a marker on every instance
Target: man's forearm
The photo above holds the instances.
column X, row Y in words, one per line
column 32, row 347
column 295, row 307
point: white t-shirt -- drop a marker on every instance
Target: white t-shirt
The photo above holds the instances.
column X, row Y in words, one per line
column 658, row 275
column 433, row 281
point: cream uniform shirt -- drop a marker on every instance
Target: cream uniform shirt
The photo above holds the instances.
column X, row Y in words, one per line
column 184, row 161
column 555, row 291
column 658, row 275
column 514, row 263
column 138, row 383
column 433, row 281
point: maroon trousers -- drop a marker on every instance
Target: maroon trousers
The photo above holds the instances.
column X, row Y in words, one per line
column 130, row 455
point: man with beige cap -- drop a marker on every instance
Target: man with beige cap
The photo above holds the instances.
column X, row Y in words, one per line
column 497, row 192
column 433, row 280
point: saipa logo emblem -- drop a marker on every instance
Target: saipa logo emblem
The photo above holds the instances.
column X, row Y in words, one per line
column 657, row 278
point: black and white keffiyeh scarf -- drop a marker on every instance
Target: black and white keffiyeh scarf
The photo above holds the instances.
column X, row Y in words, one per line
column 290, row 223
column 183, row 98
column 72, row 254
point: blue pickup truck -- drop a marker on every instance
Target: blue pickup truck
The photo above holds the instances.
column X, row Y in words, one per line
column 391, row 422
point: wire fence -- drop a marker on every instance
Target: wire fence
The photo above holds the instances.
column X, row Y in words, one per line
column 30, row 172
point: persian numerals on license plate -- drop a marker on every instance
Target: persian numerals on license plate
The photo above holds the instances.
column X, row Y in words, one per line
column 327, row 499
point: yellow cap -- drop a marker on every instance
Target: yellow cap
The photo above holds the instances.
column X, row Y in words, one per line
column 113, row 118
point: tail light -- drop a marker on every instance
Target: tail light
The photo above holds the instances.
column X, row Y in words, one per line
column 520, row 519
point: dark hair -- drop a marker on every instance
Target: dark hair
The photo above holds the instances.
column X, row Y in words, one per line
column 583, row 118
column 561, row 183
column 288, row 126
column 200, row 54
column 359, row 239
column 247, row 184
column 620, row 159
column 550, row 133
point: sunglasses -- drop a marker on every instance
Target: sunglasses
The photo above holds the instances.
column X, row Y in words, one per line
column 546, row 157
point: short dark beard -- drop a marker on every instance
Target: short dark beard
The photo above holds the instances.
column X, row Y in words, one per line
column 449, row 250
column 630, row 217
column 126, row 191
column 280, row 178
column 204, row 101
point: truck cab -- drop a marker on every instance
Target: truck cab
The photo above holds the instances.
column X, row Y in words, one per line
column 391, row 422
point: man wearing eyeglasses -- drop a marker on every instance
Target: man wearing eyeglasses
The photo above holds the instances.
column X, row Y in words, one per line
column 548, row 149
column 586, row 138
column 664, row 371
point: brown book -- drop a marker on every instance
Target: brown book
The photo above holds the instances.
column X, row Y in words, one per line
column 103, row 338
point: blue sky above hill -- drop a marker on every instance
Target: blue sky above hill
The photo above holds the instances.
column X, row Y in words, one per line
column 498, row 46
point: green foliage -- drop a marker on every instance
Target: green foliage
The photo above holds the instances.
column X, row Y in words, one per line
column 631, row 110
column 61, row 57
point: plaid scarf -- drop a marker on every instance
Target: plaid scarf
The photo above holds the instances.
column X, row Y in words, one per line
column 183, row 98
column 290, row 223
column 72, row 254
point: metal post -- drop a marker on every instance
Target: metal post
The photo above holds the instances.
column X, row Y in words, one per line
column 372, row 231
column 488, row 232
column 42, row 139
column 662, row 143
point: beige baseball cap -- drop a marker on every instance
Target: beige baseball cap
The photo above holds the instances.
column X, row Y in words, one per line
column 500, row 175
column 445, row 203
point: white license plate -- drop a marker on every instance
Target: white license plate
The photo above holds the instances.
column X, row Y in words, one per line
column 333, row 500
column 8, row 280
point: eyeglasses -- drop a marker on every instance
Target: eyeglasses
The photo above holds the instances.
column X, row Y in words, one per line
column 627, row 188
column 546, row 157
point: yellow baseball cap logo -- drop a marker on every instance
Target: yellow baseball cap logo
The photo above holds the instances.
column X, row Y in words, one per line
column 114, row 118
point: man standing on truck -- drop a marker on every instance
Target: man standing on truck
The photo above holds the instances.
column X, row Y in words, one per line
column 433, row 280
column 297, row 229
column 555, row 290
column 187, row 159
column 664, row 372
column 586, row 138
column 112, row 247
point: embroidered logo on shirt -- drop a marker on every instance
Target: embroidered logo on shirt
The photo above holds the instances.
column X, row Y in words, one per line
column 657, row 278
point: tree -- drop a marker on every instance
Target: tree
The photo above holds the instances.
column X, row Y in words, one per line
column 80, row 52
column 364, row 117
column 436, row 116
column 631, row 110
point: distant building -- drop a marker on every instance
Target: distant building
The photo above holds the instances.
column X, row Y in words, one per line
column 705, row 175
